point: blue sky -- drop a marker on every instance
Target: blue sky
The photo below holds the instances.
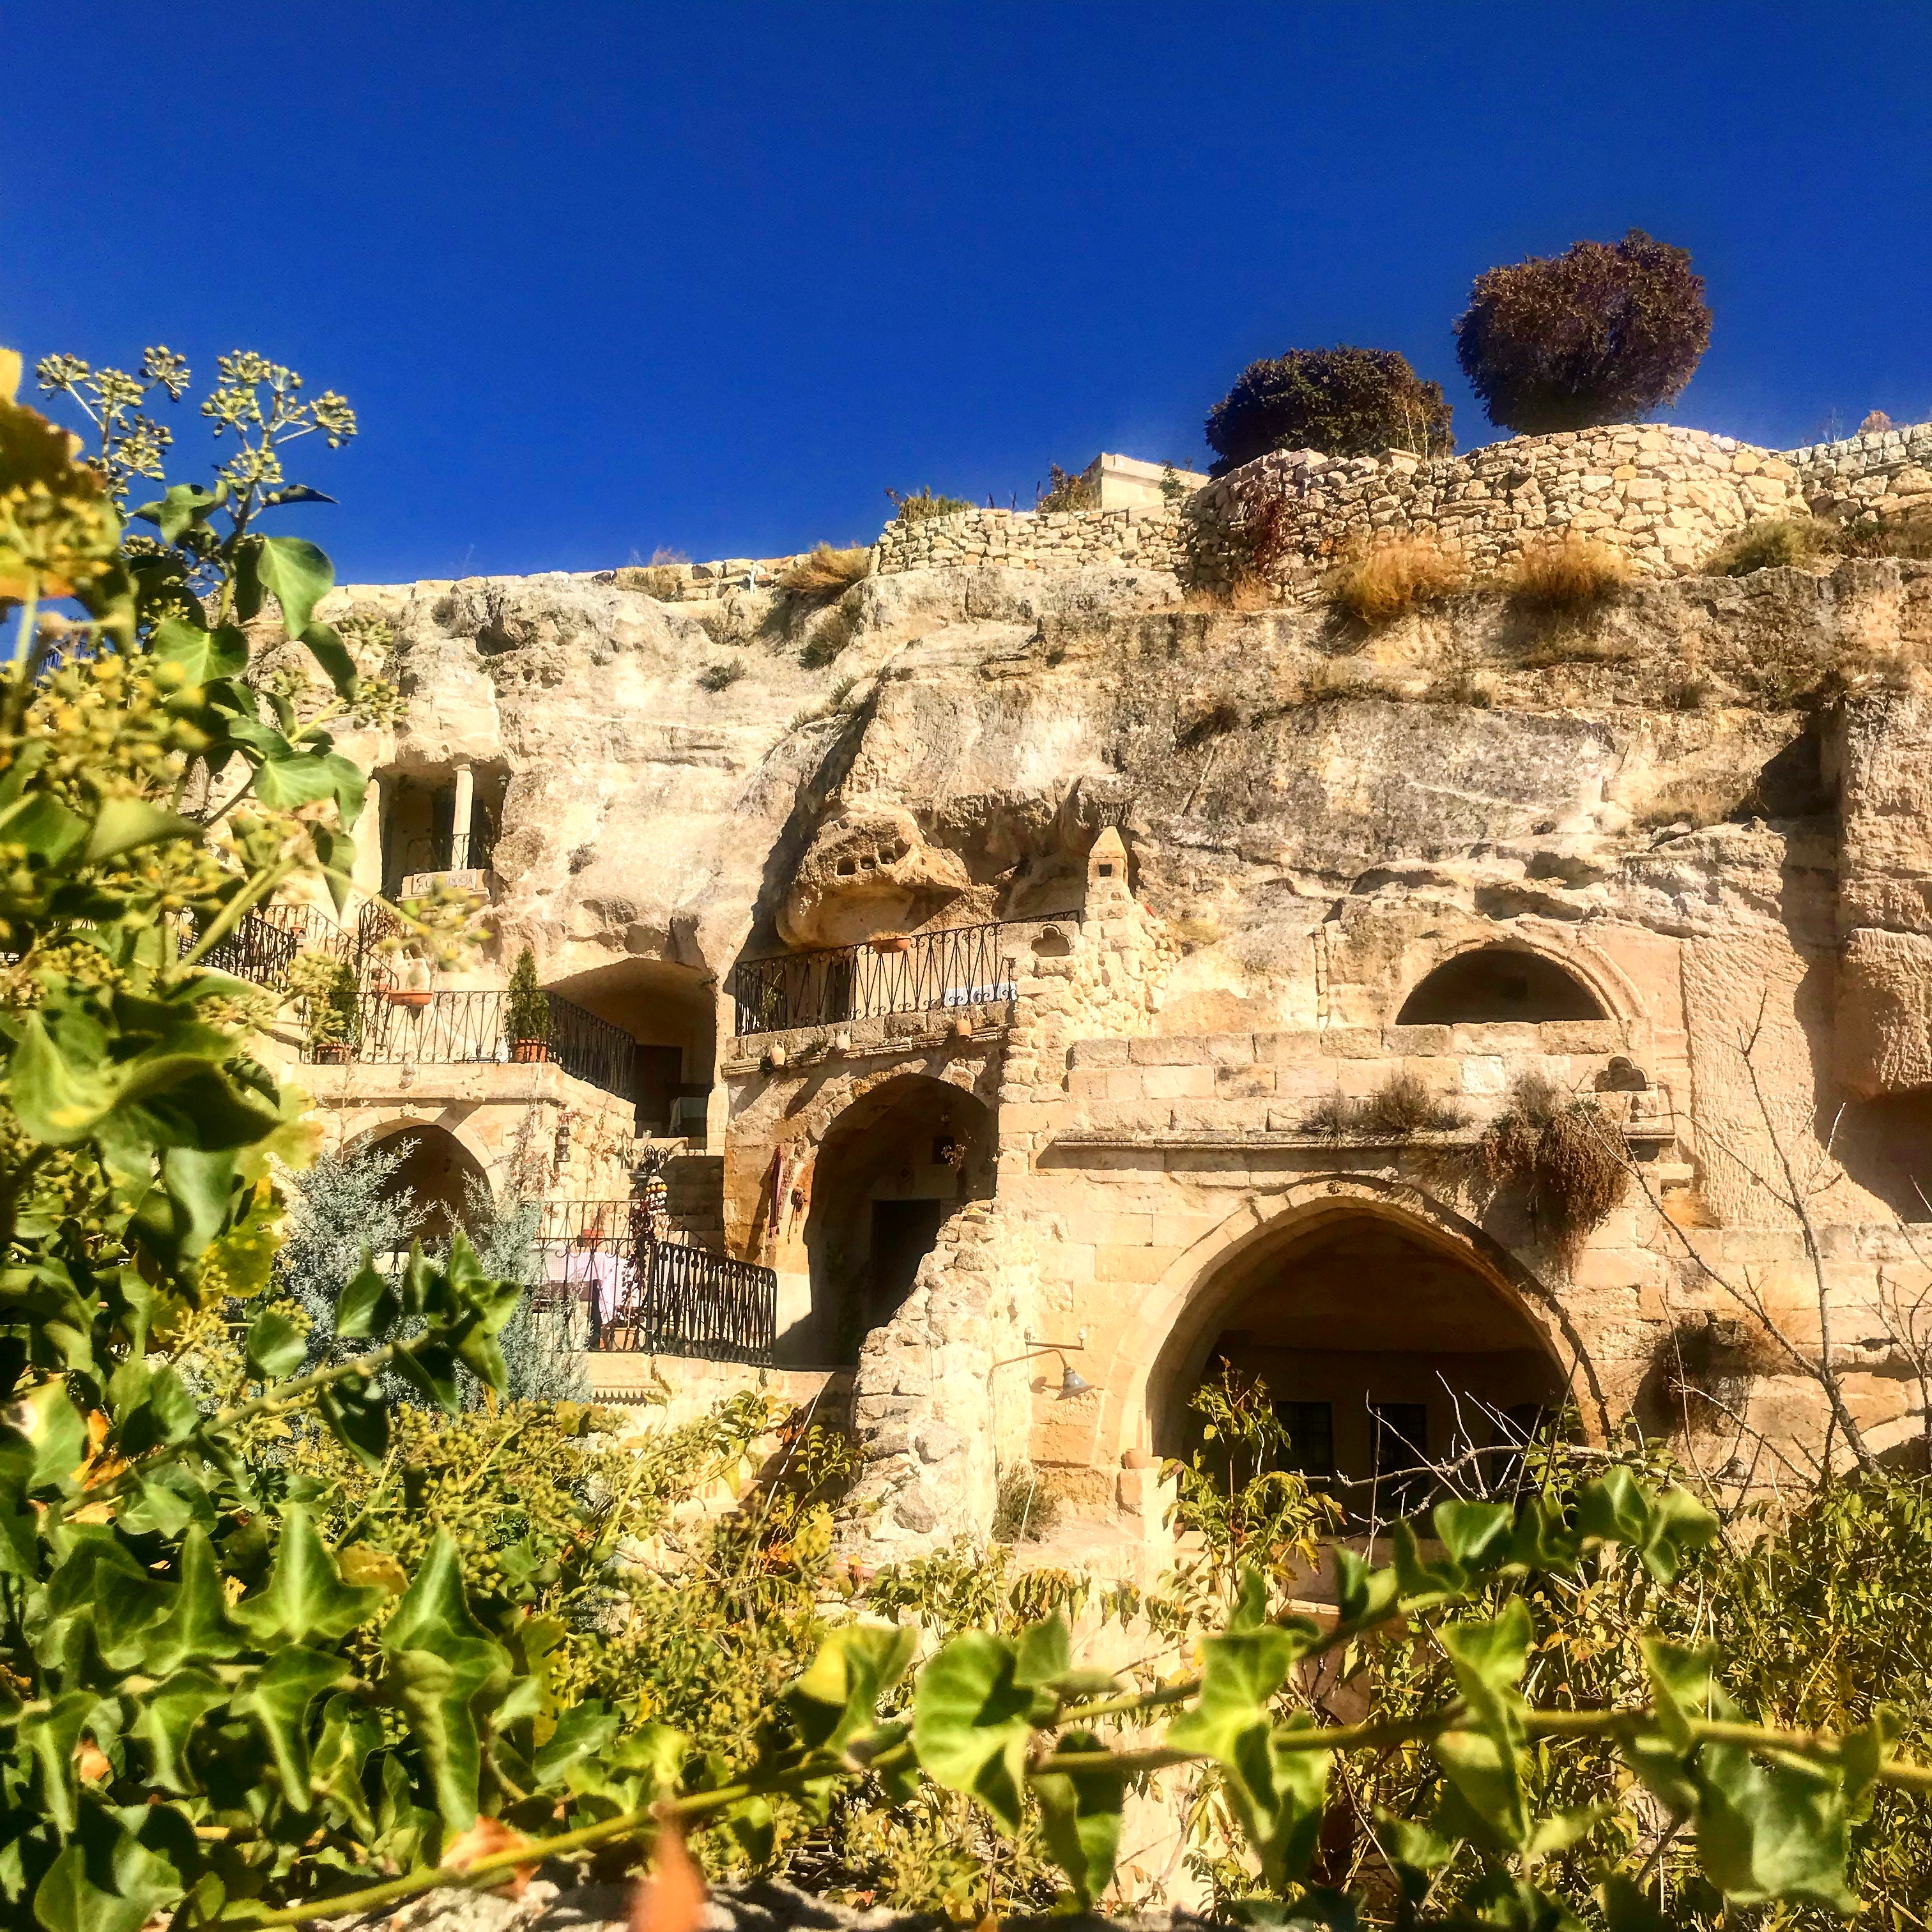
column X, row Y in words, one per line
column 600, row 278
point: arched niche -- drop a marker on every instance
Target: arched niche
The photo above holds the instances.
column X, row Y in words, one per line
column 439, row 1174
column 1381, row 1343
column 889, row 1170
column 671, row 1011
column 1491, row 983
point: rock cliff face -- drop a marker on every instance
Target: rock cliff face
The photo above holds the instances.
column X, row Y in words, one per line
column 1229, row 846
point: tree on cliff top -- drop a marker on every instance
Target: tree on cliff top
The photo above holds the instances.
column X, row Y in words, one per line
column 1342, row 401
column 1600, row 334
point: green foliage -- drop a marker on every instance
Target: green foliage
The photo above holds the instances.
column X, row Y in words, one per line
column 1600, row 334
column 1022, row 1511
column 1063, row 492
column 334, row 1003
column 1342, row 401
column 924, row 506
column 526, row 1013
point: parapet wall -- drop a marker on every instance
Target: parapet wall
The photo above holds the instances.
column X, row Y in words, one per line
column 1665, row 496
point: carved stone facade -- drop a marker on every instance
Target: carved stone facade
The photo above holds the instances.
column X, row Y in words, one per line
column 1028, row 953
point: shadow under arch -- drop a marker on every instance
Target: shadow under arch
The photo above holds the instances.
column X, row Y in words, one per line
column 890, row 1169
column 1494, row 981
column 1166, row 1344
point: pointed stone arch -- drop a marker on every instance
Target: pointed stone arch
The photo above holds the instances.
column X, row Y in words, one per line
column 1163, row 1348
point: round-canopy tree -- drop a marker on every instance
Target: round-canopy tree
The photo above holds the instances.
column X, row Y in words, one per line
column 1598, row 334
column 1342, row 401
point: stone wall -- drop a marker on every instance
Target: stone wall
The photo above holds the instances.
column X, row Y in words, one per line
column 1665, row 496
column 935, row 1425
column 1155, row 539
column 1883, row 472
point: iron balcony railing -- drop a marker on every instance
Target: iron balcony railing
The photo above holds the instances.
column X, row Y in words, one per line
column 610, row 1282
column 470, row 1028
column 956, row 966
column 265, row 942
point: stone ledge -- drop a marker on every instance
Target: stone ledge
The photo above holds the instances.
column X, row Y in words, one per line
column 882, row 1033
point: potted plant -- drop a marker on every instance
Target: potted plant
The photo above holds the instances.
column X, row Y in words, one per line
column 891, row 942
column 411, row 986
column 335, row 1016
column 526, row 1018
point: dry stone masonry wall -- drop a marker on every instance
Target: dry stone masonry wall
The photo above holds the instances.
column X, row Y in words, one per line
column 1665, row 496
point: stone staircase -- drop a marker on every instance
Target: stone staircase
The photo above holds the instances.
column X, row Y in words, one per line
column 694, row 1188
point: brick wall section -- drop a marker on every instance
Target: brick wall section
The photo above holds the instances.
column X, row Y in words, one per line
column 1884, row 473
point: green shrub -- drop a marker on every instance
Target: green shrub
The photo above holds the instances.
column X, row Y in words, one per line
column 1602, row 333
column 1063, row 492
column 1023, row 1511
column 923, row 507
column 1773, row 543
column 1342, row 401
column 526, row 1011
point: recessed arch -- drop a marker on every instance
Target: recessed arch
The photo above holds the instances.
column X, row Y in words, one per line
column 440, row 1173
column 1486, row 983
column 889, row 1170
column 670, row 1010
column 1166, row 1344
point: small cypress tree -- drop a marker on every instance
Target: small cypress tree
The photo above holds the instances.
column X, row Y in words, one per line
column 528, row 1016
column 1602, row 333
column 338, row 1207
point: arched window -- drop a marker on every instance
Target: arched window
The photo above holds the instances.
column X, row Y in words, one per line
column 1499, row 982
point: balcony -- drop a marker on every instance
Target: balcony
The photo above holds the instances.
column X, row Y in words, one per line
column 462, row 1029
column 606, row 1284
column 956, row 966
column 265, row 943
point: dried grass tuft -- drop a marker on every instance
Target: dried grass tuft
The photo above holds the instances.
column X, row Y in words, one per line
column 1564, row 1154
column 1567, row 574
column 1773, row 543
column 825, row 574
column 1388, row 581
column 1401, row 1108
column 1024, row 1510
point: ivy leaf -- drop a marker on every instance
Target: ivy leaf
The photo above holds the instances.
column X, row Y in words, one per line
column 1628, row 1907
column 971, row 1722
column 326, row 646
column 367, row 1306
column 442, row 1665
column 1769, row 1831
column 298, row 575
column 1362, row 1595
column 279, row 1700
column 1081, row 1813
column 125, row 824
column 50, row 1435
column 1479, row 1759
column 46, row 1737
column 166, row 1723
column 1475, row 1535
column 357, row 1417
column 1045, row 1652
column 183, row 505
column 196, row 1626
column 275, row 1346
column 204, row 656
column 1276, row 1792
column 305, row 1595
column 837, row 1695
column 582, row 1732
column 105, row 1879
column 350, row 1732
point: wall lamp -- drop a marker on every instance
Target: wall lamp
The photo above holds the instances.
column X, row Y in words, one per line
column 1072, row 1382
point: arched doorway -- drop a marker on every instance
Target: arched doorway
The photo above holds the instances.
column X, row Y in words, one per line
column 889, row 1170
column 1499, row 982
column 439, row 1174
column 1382, row 1343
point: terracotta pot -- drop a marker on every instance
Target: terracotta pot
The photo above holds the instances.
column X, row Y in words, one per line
column 415, row 998
column 895, row 942
column 333, row 1053
column 526, row 1051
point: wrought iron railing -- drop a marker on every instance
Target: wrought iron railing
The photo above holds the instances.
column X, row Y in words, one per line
column 610, row 1282
column 469, row 1028
column 956, row 966
column 449, row 852
column 265, row 943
